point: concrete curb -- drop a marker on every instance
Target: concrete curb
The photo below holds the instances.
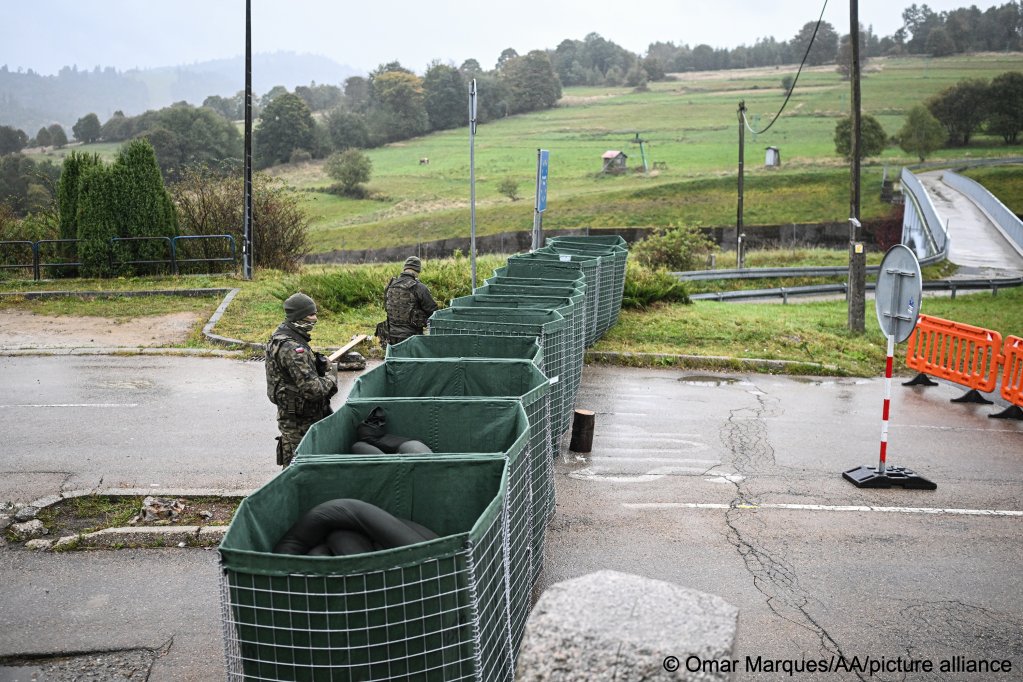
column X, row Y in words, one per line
column 134, row 536
column 701, row 361
column 167, row 536
column 207, row 330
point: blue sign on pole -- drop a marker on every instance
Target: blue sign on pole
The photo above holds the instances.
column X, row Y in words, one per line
column 541, row 182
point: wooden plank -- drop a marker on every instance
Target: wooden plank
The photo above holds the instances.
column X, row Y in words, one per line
column 356, row 340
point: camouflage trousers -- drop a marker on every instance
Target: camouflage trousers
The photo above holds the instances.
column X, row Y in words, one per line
column 292, row 430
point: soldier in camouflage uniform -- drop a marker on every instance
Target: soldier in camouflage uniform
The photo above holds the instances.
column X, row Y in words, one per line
column 299, row 381
column 408, row 303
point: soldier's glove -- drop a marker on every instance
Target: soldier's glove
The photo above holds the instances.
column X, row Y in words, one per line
column 321, row 364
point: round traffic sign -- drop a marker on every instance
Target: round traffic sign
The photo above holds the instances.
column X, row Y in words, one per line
column 898, row 292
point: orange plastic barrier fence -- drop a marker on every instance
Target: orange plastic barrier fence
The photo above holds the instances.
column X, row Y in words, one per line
column 957, row 352
column 1012, row 375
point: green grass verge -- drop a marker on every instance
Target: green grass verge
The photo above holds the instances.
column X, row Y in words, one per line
column 800, row 332
column 349, row 299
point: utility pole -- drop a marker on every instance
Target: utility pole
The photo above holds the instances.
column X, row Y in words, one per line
column 742, row 153
column 472, row 181
column 247, row 211
column 857, row 257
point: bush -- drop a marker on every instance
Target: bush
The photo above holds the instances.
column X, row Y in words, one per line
column 873, row 138
column 300, row 156
column 211, row 202
column 509, row 188
column 350, row 168
column 679, row 248
column 644, row 286
column 355, row 286
column 97, row 220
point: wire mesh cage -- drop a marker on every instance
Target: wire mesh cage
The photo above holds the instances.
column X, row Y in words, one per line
column 603, row 244
column 455, row 379
column 603, row 274
column 547, row 326
column 432, row 610
column 550, row 267
column 468, row 346
column 568, row 307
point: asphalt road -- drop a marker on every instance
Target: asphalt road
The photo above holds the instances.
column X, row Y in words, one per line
column 976, row 245
column 729, row 484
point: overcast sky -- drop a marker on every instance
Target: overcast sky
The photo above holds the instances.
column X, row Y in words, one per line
column 45, row 35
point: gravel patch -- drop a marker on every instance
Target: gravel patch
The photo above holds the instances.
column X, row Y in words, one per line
column 107, row 666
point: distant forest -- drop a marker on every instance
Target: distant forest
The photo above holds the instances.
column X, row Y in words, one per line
column 29, row 101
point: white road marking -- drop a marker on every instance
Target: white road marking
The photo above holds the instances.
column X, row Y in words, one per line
column 727, row 478
column 610, row 459
column 823, row 507
column 75, row 405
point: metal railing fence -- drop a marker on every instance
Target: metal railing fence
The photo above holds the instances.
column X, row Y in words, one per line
column 46, row 254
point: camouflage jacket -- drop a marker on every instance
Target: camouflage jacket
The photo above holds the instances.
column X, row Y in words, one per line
column 292, row 380
column 408, row 304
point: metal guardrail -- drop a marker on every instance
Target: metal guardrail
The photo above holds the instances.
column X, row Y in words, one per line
column 1007, row 221
column 922, row 229
column 766, row 273
column 951, row 285
column 173, row 260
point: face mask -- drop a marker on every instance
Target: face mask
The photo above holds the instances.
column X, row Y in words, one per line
column 305, row 325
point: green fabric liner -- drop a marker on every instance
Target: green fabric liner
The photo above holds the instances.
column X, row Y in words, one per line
column 603, row 245
column 542, row 271
column 530, row 290
column 481, row 425
column 606, row 277
column 468, row 346
column 596, row 239
column 457, row 497
column 550, row 266
column 568, row 308
column 452, row 377
column 530, row 321
column 548, row 319
column 481, row 300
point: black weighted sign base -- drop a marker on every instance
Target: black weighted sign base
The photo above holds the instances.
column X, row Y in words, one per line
column 1011, row 412
column 868, row 477
column 971, row 396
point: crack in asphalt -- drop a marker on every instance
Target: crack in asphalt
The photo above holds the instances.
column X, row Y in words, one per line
column 745, row 437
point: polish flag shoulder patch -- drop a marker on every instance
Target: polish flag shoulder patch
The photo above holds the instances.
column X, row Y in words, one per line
column 300, row 350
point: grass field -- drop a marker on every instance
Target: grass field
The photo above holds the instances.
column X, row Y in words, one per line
column 691, row 131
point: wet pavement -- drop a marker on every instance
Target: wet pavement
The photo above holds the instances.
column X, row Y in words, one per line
column 726, row 483
column 976, row 245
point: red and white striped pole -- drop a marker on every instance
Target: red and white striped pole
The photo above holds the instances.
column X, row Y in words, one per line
column 887, row 402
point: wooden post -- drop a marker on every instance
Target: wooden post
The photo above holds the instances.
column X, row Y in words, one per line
column 582, row 431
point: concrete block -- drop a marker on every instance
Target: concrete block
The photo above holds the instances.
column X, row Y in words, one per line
column 616, row 626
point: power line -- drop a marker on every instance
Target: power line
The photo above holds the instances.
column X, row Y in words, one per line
column 796, row 80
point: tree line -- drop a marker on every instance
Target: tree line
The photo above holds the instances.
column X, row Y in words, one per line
column 118, row 216
column 948, row 119
column 923, row 32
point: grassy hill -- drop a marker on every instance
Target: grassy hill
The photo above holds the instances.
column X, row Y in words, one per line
column 691, row 130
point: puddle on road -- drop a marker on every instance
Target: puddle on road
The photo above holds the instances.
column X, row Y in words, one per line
column 818, row 381
column 707, row 380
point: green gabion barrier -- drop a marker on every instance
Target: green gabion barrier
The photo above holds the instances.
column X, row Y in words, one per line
column 548, row 326
column 468, row 346
column 603, row 244
column 460, row 379
column 568, row 307
column 432, row 610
